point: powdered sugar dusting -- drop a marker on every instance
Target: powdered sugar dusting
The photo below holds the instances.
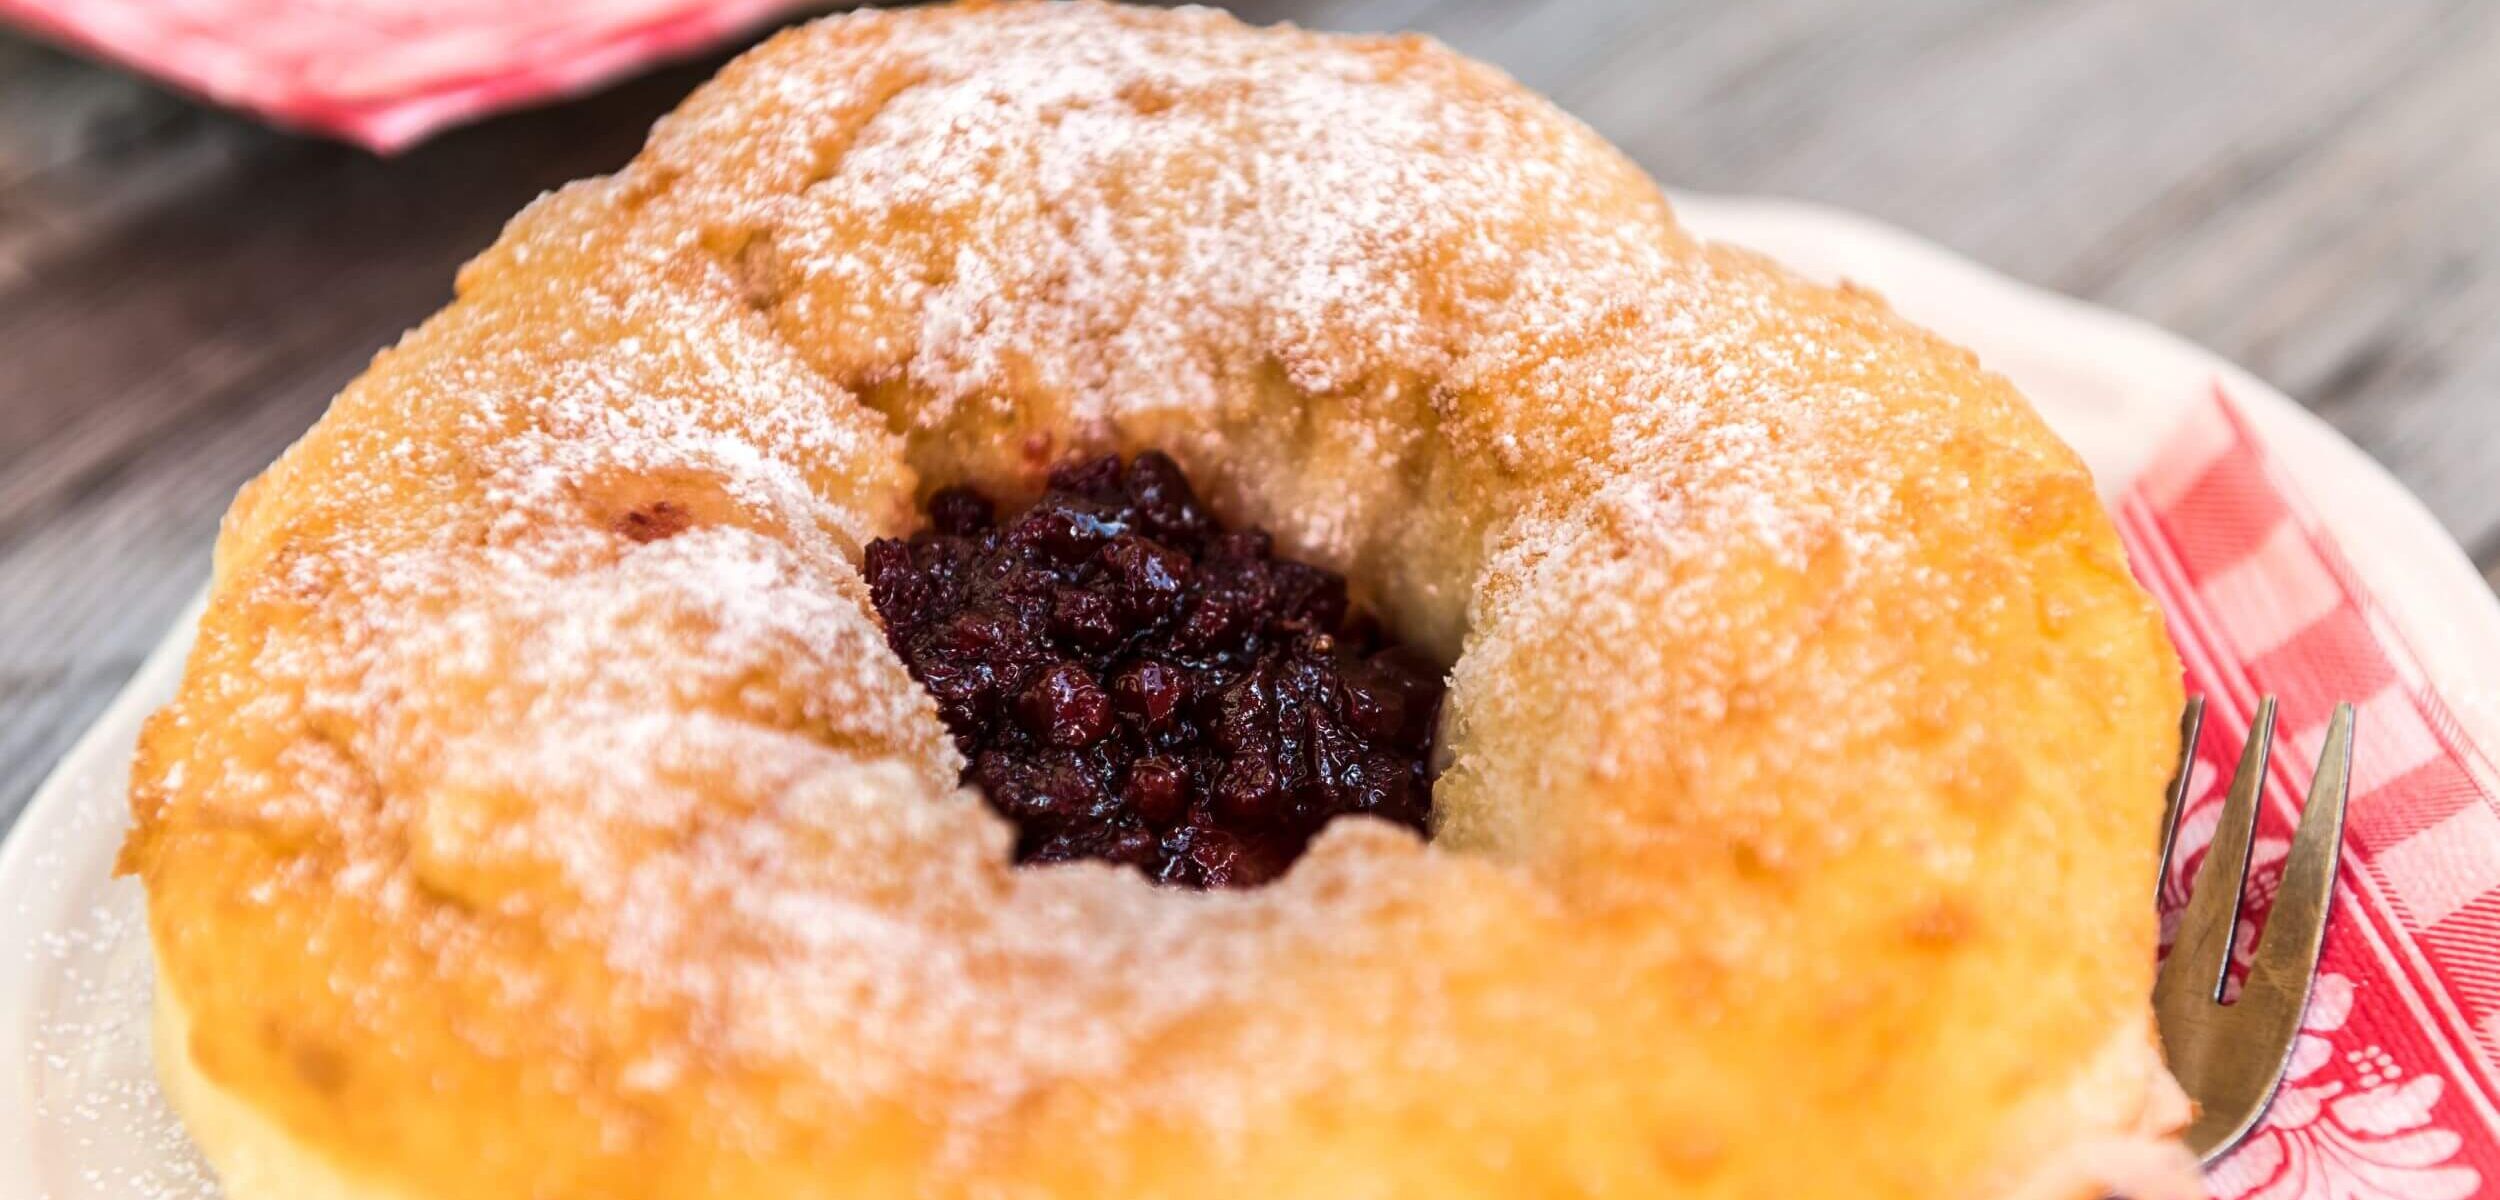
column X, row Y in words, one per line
column 94, row 1086
column 542, row 683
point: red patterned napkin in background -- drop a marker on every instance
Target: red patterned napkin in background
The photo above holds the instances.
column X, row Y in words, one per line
column 2394, row 1090
column 386, row 73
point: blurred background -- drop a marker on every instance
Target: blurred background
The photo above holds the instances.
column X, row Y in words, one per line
column 2309, row 187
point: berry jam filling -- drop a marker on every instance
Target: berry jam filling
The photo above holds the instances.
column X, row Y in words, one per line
column 1131, row 681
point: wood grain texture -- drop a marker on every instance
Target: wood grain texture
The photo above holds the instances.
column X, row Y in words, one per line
column 2310, row 187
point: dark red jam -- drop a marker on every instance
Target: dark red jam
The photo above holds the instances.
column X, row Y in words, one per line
column 1131, row 681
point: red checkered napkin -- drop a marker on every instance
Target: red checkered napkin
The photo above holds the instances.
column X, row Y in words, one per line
column 387, row 72
column 2394, row 1090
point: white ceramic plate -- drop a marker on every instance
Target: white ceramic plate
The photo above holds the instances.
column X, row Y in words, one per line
column 81, row 1119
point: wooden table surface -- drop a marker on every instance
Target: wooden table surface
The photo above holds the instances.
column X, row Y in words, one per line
column 2310, row 187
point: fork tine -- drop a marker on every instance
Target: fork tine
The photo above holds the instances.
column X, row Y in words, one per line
column 2201, row 958
column 2287, row 953
column 2191, row 723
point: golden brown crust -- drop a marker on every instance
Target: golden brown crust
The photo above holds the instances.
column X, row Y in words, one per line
column 543, row 815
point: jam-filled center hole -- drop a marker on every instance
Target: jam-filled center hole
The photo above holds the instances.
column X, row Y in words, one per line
column 1131, row 681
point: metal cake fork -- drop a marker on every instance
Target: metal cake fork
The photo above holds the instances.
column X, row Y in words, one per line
column 2230, row 1057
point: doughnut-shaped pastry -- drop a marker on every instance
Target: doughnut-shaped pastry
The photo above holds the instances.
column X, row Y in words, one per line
column 543, row 813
